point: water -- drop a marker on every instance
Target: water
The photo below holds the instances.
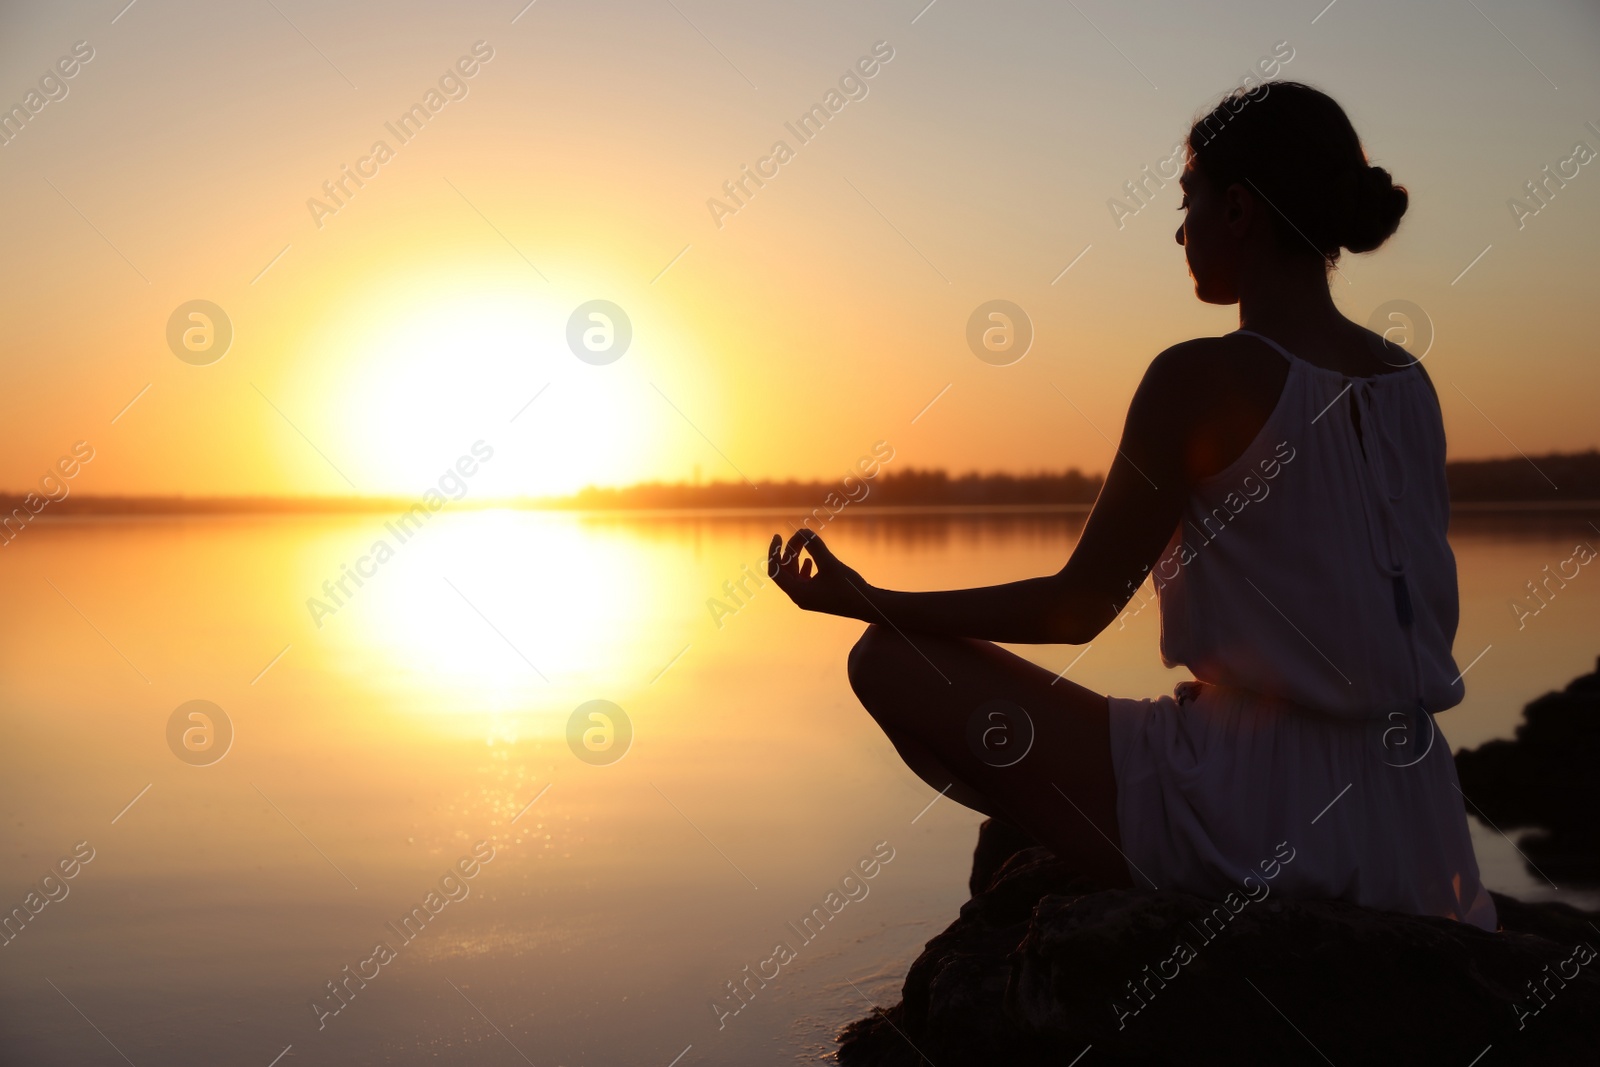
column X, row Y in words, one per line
column 372, row 753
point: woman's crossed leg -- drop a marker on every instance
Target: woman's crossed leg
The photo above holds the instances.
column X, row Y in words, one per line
column 949, row 706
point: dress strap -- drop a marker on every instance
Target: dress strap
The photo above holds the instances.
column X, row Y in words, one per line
column 1288, row 355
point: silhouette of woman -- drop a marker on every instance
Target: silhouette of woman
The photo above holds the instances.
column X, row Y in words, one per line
column 1283, row 487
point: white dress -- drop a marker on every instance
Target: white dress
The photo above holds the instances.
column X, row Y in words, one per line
column 1311, row 591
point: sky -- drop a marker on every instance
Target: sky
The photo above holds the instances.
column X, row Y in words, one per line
column 381, row 331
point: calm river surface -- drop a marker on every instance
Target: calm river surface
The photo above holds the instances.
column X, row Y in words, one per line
column 383, row 749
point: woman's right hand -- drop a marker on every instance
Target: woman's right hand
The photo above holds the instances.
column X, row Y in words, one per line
column 830, row 587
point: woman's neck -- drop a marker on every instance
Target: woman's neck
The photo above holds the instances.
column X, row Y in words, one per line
column 1288, row 298
column 1290, row 302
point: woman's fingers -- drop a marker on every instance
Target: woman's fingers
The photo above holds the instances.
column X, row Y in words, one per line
column 785, row 565
column 820, row 551
column 797, row 541
column 815, row 583
column 807, row 539
column 782, row 562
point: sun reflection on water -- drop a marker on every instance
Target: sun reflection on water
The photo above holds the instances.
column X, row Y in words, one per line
column 505, row 621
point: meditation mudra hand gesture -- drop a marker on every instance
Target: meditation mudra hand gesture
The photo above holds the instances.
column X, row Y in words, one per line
column 822, row 583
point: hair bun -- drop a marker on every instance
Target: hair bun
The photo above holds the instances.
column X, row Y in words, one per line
column 1298, row 153
column 1376, row 206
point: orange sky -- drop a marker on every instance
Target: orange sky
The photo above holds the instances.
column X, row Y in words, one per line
column 576, row 163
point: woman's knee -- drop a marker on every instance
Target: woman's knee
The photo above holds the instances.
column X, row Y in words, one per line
column 866, row 662
column 882, row 669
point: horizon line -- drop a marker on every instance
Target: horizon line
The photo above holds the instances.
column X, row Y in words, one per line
column 616, row 496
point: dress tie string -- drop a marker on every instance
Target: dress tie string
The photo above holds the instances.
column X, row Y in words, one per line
column 1381, row 488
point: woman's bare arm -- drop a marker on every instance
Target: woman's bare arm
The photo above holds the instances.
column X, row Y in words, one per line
column 1188, row 418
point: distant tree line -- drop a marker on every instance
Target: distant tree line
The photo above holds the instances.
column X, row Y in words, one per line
column 900, row 488
column 1550, row 479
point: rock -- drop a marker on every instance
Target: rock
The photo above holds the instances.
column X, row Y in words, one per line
column 997, row 842
column 1042, row 965
column 1545, row 780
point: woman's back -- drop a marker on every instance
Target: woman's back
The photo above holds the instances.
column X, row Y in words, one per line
column 1315, row 567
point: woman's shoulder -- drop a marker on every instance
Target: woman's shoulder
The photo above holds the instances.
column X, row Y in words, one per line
column 1206, row 364
column 1224, row 377
column 1214, row 394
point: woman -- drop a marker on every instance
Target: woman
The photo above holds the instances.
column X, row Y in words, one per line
column 1283, row 486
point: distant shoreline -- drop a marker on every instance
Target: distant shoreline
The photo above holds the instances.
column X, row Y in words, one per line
column 1514, row 484
column 288, row 509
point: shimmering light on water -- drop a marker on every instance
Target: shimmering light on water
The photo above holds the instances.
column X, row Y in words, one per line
column 427, row 712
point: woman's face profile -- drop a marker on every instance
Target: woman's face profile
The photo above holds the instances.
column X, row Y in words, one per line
column 1208, row 244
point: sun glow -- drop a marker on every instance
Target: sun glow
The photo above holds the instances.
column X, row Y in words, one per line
column 502, row 612
column 444, row 369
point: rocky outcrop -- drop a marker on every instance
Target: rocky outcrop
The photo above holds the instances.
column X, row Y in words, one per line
column 1545, row 781
column 1042, row 966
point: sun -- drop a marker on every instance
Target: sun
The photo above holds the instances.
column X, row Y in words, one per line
column 421, row 372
